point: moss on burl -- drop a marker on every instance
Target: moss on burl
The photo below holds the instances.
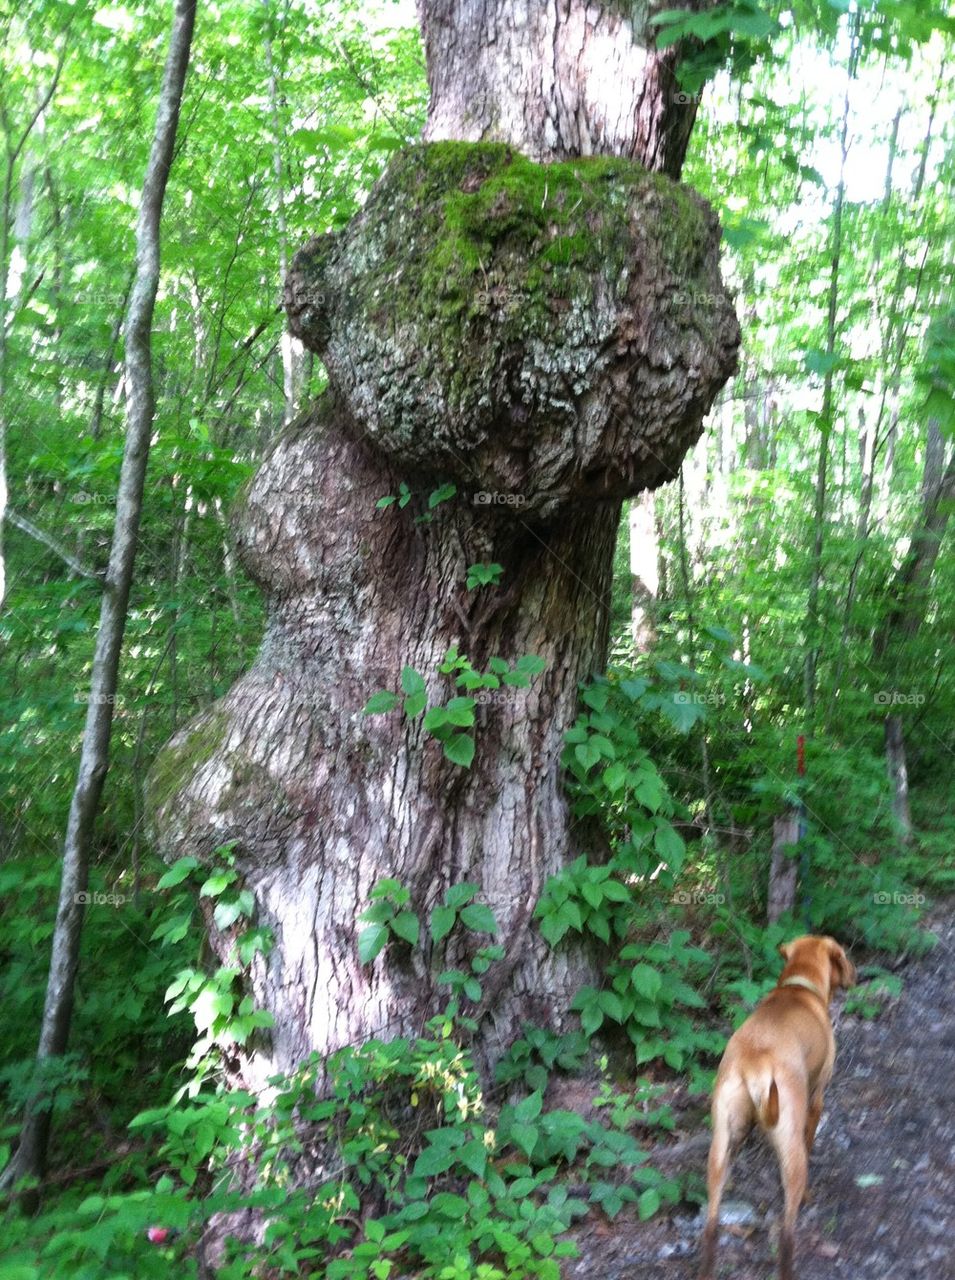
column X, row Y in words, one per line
column 522, row 327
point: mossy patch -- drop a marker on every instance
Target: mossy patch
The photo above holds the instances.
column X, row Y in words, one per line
column 454, row 222
column 521, row 327
column 178, row 761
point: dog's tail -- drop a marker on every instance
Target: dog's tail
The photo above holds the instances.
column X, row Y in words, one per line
column 763, row 1092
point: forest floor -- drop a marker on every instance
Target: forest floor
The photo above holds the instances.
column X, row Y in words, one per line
column 882, row 1175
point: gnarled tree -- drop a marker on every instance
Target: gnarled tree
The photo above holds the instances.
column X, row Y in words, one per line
column 529, row 307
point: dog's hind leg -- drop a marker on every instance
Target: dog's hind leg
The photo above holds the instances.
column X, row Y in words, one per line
column 731, row 1120
column 789, row 1139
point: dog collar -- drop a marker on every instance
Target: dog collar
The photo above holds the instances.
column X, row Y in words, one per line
column 797, row 980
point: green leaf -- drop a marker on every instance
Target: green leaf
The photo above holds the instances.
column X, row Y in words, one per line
column 482, row 575
column 529, row 1108
column 406, row 926
column 436, row 720
column 460, row 749
column 432, row 1161
column 669, row 845
column 411, row 681
column 596, row 696
column 442, row 922
column 441, row 495
column 648, row 789
column 217, row 883
column 371, row 941
column 646, row 981
column 682, row 711
column 460, row 712
column 524, row 1136
column 230, row 909
column 178, row 872
column 614, row 777
column 479, row 918
column 648, row 1204
column 821, row 362
column 458, row 894
column 415, row 704
column 380, row 702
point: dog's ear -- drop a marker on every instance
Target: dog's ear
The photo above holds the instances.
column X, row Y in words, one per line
column 785, row 949
column 843, row 970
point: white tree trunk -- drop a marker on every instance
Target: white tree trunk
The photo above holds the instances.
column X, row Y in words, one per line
column 94, row 755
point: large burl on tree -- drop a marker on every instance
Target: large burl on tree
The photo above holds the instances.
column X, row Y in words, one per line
column 546, row 337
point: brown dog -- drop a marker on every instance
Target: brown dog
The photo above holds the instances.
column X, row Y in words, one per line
column 774, row 1072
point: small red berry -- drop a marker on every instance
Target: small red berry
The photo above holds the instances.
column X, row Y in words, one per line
column 157, row 1235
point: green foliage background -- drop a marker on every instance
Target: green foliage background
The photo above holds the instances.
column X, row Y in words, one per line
column 701, row 731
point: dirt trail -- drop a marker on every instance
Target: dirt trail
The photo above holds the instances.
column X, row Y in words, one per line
column 882, row 1173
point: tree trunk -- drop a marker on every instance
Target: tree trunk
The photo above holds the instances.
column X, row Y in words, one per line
column 94, row 755
column 14, row 140
column 644, row 571
column 813, row 644
column 910, row 604
column 555, row 80
column 545, row 338
column 783, row 867
column 898, row 776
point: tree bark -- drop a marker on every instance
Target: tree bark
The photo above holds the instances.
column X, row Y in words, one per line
column 30, row 1157
column 783, row 867
column 825, row 423
column 556, row 80
column 546, row 338
column 644, row 571
column 910, row 605
column 14, row 141
column 898, row 776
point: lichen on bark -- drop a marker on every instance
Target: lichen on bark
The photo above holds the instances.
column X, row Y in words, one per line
column 467, row 316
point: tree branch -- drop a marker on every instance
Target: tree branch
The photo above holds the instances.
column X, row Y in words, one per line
column 47, row 539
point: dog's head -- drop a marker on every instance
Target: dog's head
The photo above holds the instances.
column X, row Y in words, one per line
column 822, row 956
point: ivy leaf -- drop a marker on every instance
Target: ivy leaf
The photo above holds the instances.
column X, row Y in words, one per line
column 473, row 1155
column 178, row 872
column 411, row 682
column 669, row 845
column 460, row 749
column 646, row 981
column 614, row 777
column 217, row 883
column 442, row 922
column 371, row 941
column 648, row 1204
column 406, row 925
column 459, row 894
column 380, row 702
column 441, row 495
column 479, row 918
